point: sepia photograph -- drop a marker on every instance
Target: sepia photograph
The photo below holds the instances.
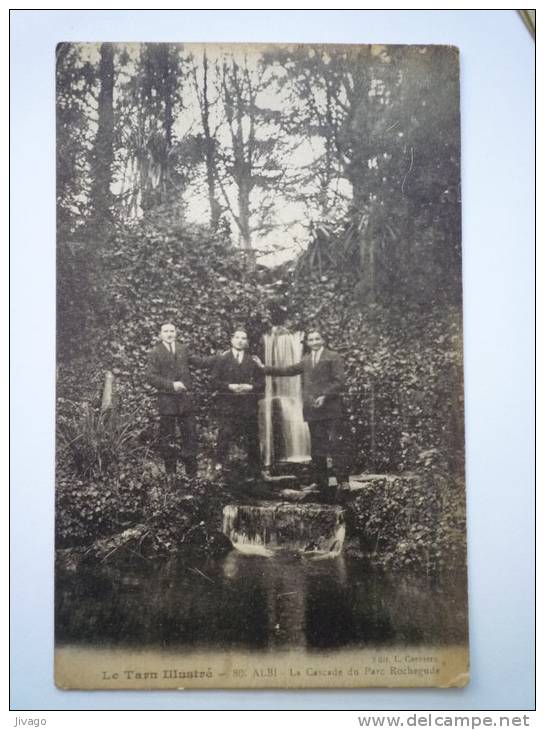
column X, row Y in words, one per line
column 260, row 472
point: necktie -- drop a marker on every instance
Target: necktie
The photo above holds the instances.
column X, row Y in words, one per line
column 313, row 359
column 171, row 347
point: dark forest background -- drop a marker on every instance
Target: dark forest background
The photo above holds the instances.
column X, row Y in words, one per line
column 176, row 167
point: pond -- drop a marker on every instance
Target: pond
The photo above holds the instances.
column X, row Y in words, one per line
column 248, row 602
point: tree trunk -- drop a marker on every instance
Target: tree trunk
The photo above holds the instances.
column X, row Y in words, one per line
column 169, row 94
column 169, row 91
column 103, row 153
column 242, row 149
column 210, row 152
column 244, row 213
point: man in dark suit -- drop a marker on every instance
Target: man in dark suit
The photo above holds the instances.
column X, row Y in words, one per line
column 322, row 374
column 168, row 372
column 239, row 382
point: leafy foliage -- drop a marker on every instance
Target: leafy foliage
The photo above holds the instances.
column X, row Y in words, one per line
column 183, row 515
column 96, row 441
column 412, row 524
column 76, row 88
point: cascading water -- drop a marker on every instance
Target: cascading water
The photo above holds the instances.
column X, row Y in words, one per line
column 271, row 527
column 284, row 434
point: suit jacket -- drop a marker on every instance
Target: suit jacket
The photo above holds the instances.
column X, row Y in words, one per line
column 228, row 371
column 164, row 369
column 326, row 378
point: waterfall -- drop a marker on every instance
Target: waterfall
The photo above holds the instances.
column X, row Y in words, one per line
column 283, row 432
column 264, row 529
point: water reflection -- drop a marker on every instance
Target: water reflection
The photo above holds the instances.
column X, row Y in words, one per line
column 255, row 602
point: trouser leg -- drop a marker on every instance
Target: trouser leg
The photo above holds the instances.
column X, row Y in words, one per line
column 339, row 455
column 251, row 434
column 188, row 435
column 167, row 436
column 225, row 436
column 319, row 444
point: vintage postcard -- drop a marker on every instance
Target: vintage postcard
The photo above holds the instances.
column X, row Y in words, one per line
column 260, row 427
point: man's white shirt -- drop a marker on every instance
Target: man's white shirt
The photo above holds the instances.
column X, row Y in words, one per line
column 315, row 356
